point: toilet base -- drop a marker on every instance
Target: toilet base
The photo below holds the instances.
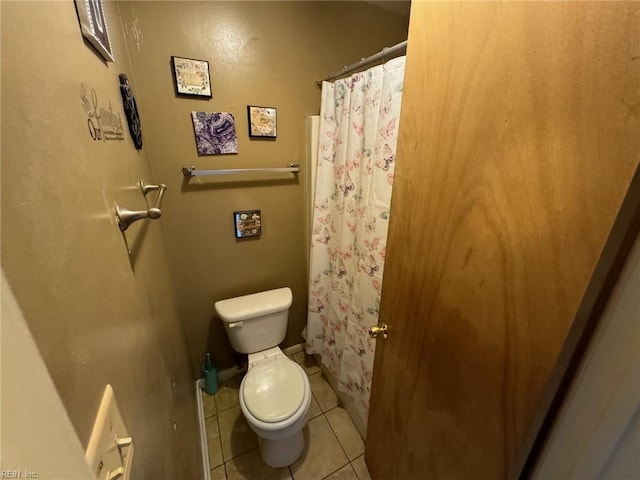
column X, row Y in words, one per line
column 281, row 452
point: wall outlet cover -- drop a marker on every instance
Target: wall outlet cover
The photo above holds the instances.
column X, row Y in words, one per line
column 110, row 449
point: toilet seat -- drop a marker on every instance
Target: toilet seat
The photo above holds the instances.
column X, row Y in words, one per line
column 274, row 390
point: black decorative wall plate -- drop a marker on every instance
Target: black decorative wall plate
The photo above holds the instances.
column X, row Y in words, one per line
column 131, row 111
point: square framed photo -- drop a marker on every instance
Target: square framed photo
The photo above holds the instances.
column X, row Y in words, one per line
column 191, row 77
column 215, row 133
column 248, row 223
column 93, row 25
column 262, row 122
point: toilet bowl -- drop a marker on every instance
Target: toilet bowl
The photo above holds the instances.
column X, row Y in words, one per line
column 275, row 397
column 275, row 394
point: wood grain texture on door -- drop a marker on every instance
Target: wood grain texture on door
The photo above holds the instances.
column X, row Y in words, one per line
column 519, row 136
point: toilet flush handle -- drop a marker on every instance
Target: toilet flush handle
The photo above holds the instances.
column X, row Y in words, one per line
column 235, row 324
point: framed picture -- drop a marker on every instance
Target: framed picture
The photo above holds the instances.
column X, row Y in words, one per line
column 248, row 223
column 191, row 77
column 215, row 133
column 262, row 122
column 94, row 26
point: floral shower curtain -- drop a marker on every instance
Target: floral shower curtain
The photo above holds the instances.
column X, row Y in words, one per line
column 359, row 120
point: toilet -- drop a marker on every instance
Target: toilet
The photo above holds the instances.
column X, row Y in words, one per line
column 275, row 394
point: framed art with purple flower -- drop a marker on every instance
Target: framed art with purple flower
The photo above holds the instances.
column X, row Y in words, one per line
column 215, row 133
column 191, row 77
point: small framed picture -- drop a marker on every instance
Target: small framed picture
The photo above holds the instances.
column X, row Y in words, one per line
column 248, row 223
column 93, row 25
column 215, row 133
column 191, row 77
column 262, row 122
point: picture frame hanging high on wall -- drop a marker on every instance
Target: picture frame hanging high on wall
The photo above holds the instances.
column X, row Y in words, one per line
column 93, row 25
column 262, row 121
column 191, row 77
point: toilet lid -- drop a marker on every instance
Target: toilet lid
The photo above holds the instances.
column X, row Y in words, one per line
column 274, row 390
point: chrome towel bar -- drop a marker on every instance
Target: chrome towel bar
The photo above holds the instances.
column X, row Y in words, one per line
column 126, row 217
column 192, row 172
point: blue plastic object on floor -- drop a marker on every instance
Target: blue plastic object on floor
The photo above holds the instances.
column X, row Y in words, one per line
column 210, row 375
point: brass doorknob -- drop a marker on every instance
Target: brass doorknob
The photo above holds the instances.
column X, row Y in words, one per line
column 376, row 330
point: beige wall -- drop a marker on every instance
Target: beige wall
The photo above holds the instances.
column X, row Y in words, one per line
column 597, row 431
column 98, row 315
column 260, row 53
column 37, row 435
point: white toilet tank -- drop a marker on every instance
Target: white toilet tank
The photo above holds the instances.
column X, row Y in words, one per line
column 258, row 321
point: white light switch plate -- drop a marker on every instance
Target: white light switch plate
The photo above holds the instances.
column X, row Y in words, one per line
column 106, row 459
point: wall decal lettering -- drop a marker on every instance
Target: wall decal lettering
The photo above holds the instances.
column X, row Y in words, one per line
column 103, row 123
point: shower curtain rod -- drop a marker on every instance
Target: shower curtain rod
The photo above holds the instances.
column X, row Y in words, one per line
column 384, row 54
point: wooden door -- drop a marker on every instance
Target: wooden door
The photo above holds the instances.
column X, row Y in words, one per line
column 519, row 136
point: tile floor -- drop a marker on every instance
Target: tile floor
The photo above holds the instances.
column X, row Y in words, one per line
column 334, row 449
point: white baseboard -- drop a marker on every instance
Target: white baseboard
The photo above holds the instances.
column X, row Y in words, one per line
column 230, row 372
column 293, row 349
column 203, row 432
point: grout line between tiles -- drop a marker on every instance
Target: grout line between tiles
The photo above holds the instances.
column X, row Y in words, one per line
column 339, row 468
column 354, row 468
column 220, row 440
column 336, row 435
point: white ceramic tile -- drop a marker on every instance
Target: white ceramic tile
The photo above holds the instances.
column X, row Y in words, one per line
column 314, row 408
column 326, row 397
column 209, row 403
column 345, row 473
column 236, row 436
column 346, row 432
column 227, row 395
column 213, row 441
column 219, row 473
column 361, row 468
column 322, row 454
column 307, row 362
column 250, row 466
